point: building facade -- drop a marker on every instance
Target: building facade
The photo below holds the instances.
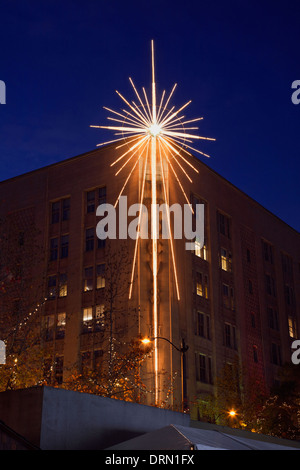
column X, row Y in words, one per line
column 235, row 299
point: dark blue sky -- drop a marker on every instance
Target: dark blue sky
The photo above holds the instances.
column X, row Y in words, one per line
column 63, row 60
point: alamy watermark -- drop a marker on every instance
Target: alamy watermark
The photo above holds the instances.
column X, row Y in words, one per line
column 2, row 92
column 296, row 94
column 183, row 222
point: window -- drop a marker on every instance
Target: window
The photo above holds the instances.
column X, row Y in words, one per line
column 53, row 249
column 273, row 318
column 292, row 327
column 199, row 286
column 66, row 209
column 230, row 336
column 228, row 297
column 54, row 326
column 64, row 246
column 289, row 295
column 55, row 209
column 63, row 285
column 61, row 325
column 202, row 285
column 60, row 209
column 100, row 281
column 102, row 195
column 267, row 252
column 88, row 282
column 275, row 354
column 226, row 260
column 49, row 328
column 99, row 317
column 90, row 202
column 89, row 239
column 202, row 325
column 87, row 320
column 93, row 319
column 287, row 264
column 224, row 223
column 51, row 287
column 203, row 368
column 255, row 354
column 270, row 285
column 200, row 252
column 96, row 196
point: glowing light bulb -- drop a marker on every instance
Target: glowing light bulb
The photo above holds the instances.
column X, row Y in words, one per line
column 154, row 130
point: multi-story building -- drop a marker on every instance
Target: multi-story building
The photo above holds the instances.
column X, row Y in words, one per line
column 239, row 295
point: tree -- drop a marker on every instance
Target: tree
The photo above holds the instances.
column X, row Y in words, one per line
column 116, row 373
column 280, row 414
column 21, row 301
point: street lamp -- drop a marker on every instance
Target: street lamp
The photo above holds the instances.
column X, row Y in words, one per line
column 183, row 349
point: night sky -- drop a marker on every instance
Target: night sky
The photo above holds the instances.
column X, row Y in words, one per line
column 62, row 61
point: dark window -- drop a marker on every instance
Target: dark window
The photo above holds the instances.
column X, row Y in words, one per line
column 55, row 209
column 66, row 209
column 275, row 354
column 51, row 287
column 90, row 201
column 102, row 195
column 53, row 249
column 64, row 246
column 255, row 354
column 224, row 225
column 89, row 239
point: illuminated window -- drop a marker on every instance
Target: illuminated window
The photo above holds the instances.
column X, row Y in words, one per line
column 63, row 285
column 100, row 276
column 99, row 317
column 88, row 283
column 61, row 325
column 199, row 286
column 200, row 252
column 226, row 261
column 292, row 327
column 87, row 320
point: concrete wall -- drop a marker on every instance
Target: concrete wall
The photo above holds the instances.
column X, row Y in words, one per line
column 72, row 420
column 56, row 419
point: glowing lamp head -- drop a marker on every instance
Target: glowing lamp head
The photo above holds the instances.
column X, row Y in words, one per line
column 154, row 130
column 146, row 341
column 232, row 413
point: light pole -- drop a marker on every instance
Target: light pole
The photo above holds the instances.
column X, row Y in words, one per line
column 183, row 349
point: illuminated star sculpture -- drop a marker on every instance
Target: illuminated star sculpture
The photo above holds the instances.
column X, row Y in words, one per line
column 153, row 131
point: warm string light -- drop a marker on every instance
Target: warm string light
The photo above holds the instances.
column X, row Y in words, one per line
column 148, row 129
